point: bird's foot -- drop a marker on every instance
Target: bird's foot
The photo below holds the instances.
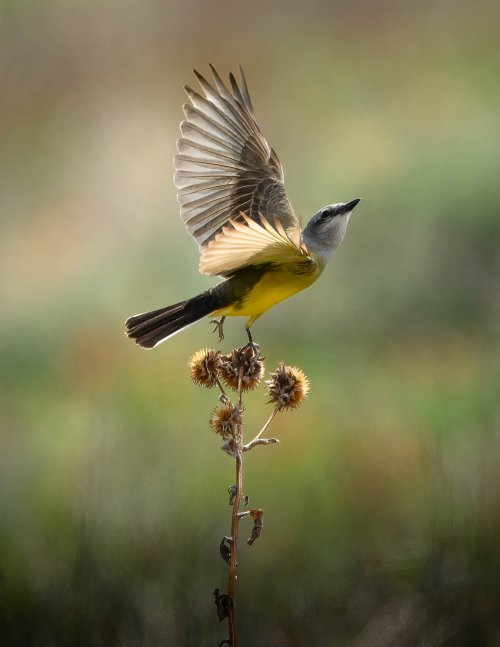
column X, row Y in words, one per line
column 251, row 343
column 219, row 327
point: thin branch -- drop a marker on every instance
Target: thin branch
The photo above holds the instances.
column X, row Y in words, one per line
column 260, row 441
column 253, row 441
column 220, row 387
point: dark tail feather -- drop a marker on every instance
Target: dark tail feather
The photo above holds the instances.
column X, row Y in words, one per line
column 151, row 328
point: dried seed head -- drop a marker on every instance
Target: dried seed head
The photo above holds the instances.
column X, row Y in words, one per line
column 203, row 367
column 224, row 420
column 247, row 358
column 287, row 387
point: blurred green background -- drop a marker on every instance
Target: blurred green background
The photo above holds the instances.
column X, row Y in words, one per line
column 382, row 503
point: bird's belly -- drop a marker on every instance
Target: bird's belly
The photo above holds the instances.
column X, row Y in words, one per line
column 273, row 287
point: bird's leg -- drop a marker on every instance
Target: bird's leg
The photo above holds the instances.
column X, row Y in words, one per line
column 251, row 342
column 219, row 327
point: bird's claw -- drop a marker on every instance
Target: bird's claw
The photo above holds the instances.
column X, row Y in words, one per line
column 219, row 327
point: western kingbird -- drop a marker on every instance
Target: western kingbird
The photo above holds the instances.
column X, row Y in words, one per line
column 234, row 205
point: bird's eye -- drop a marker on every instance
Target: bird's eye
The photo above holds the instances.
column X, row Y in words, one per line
column 325, row 213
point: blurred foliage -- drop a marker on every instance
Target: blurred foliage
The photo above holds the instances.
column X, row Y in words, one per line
column 382, row 502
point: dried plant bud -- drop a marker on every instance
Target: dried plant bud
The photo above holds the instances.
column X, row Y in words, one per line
column 258, row 522
column 203, row 367
column 223, row 602
column 247, row 358
column 232, row 493
column 230, row 447
column 287, row 387
column 225, row 549
column 224, row 420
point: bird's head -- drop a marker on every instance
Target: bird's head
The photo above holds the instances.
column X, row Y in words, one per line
column 326, row 229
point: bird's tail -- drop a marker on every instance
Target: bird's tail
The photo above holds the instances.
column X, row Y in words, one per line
column 151, row 328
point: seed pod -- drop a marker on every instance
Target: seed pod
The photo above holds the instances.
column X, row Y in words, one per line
column 287, row 387
column 247, row 360
column 203, row 367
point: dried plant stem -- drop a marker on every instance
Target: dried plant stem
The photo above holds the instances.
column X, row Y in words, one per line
column 242, row 370
column 231, row 584
column 260, row 441
column 268, row 422
column 220, row 386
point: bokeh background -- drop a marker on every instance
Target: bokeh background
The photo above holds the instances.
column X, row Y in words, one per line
column 382, row 503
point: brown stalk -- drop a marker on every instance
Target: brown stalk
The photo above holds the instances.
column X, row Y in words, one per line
column 231, row 584
column 262, row 441
column 221, row 388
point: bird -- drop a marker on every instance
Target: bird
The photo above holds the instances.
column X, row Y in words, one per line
column 233, row 203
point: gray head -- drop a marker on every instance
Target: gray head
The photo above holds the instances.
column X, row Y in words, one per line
column 326, row 229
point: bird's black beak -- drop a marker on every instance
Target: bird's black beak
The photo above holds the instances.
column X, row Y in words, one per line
column 349, row 206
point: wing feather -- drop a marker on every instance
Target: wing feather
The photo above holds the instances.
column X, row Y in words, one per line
column 225, row 165
column 244, row 242
column 245, row 93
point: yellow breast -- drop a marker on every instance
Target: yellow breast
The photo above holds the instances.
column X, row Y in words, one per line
column 273, row 287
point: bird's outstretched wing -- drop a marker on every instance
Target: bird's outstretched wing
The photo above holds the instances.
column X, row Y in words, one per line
column 225, row 165
column 247, row 242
